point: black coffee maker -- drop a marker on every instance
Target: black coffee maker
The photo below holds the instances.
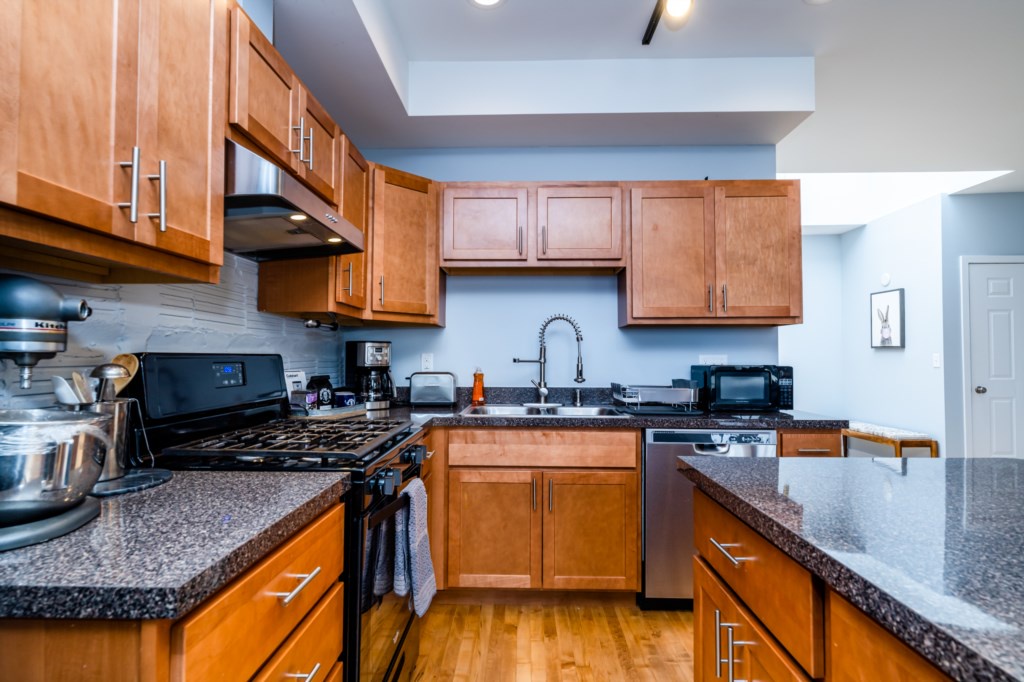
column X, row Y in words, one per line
column 368, row 373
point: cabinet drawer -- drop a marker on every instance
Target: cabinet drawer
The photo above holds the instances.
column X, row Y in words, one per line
column 821, row 444
column 236, row 631
column 780, row 592
column 601, row 448
column 729, row 643
column 860, row 649
column 314, row 647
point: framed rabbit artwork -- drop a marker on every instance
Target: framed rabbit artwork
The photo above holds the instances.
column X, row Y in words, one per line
column 887, row 329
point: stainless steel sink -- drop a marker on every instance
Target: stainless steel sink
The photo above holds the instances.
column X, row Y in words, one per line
column 523, row 411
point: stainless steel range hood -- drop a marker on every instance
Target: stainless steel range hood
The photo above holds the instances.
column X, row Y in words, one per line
column 260, row 201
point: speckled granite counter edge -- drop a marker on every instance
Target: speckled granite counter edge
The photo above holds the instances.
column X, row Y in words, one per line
column 639, row 422
column 933, row 643
column 133, row 603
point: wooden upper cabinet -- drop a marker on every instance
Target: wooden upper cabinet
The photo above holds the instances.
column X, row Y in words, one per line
column 485, row 223
column 672, row 266
column 271, row 107
column 532, row 226
column 114, row 128
column 757, row 246
column 579, row 223
column 713, row 253
column 404, row 273
column 355, row 207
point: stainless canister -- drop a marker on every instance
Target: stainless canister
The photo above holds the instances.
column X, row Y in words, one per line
column 116, row 463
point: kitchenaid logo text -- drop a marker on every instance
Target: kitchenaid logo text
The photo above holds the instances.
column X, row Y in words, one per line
column 41, row 325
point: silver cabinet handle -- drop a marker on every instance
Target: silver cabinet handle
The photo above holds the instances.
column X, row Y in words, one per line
column 711, row 298
column 133, row 204
column 722, row 548
column 287, row 597
column 303, row 676
column 980, row 389
column 519, row 240
column 725, row 298
column 309, row 161
column 731, row 662
column 161, row 177
column 718, row 643
column 302, row 139
column 382, row 289
column 348, row 289
column 533, row 493
column 430, row 454
column 544, row 239
column 814, row 450
column 551, row 494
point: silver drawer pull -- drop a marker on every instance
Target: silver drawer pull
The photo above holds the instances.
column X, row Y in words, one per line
column 161, row 178
column 722, row 548
column 814, row 450
column 304, row 676
column 430, row 453
column 287, row 597
column 133, row 204
column 718, row 643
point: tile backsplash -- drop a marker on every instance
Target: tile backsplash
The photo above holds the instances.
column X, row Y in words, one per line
column 198, row 318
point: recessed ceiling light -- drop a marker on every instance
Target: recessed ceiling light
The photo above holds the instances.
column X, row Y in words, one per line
column 817, row 2
column 486, row 3
column 297, row 217
column 334, row 240
column 678, row 8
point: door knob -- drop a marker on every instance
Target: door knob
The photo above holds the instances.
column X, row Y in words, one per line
column 980, row 389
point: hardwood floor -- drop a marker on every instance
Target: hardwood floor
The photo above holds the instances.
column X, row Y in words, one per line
column 539, row 636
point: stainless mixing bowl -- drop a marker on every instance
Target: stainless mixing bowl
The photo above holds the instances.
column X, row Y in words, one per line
column 49, row 461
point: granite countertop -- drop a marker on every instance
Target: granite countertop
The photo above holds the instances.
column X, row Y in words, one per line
column 159, row 553
column 930, row 548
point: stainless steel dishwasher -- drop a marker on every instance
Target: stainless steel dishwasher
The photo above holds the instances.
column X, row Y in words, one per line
column 668, row 506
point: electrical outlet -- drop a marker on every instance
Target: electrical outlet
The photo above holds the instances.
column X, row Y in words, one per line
column 936, row 360
column 713, row 359
column 426, row 362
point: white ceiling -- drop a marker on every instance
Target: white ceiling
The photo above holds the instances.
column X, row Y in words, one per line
column 848, row 86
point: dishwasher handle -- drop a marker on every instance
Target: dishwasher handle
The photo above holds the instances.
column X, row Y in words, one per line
column 711, row 448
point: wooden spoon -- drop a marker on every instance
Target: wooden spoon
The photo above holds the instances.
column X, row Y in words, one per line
column 129, row 362
column 82, row 388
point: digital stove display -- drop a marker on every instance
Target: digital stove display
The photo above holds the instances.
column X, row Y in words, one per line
column 228, row 374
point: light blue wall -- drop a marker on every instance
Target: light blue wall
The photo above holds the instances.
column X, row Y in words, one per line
column 814, row 348
column 974, row 225
column 490, row 320
column 895, row 387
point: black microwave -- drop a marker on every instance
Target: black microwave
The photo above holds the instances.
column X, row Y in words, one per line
column 744, row 388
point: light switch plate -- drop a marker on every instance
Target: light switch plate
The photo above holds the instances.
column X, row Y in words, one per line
column 936, row 360
column 713, row 360
column 426, row 362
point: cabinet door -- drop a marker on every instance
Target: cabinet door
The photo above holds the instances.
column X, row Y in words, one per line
column 404, row 243
column 672, row 268
column 355, row 204
column 711, row 608
column 181, row 115
column 579, row 223
column 494, row 528
column 591, row 530
column 757, row 245
column 484, row 223
column 321, row 139
column 70, row 78
column 264, row 99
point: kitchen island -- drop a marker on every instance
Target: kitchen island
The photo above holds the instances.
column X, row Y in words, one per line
column 930, row 549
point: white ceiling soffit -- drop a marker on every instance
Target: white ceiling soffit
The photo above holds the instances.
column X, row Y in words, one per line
column 833, row 203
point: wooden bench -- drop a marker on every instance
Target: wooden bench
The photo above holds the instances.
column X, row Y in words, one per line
column 886, row 435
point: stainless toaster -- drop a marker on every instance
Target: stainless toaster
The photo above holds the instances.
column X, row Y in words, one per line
column 432, row 388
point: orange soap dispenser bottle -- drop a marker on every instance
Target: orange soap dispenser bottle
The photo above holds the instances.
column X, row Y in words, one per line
column 478, row 387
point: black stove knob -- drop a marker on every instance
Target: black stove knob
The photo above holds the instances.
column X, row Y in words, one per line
column 414, row 454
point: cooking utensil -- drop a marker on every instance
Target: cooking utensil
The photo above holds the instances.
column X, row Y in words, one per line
column 49, row 461
column 130, row 363
column 106, row 374
column 66, row 394
column 83, row 388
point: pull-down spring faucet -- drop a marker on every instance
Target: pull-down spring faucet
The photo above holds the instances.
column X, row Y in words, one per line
column 542, row 387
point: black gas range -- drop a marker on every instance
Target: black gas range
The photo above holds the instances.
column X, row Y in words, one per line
column 231, row 412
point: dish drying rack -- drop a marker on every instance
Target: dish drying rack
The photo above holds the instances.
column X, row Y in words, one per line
column 681, row 397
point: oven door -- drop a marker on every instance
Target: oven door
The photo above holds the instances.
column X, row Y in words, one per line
column 388, row 642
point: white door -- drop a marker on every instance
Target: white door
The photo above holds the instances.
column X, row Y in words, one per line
column 995, row 378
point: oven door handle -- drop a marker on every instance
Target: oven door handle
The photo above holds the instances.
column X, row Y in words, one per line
column 388, row 510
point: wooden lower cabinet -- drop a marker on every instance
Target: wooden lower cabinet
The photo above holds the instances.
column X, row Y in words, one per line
column 808, row 443
column 729, row 642
column 860, row 650
column 243, row 631
column 543, row 509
